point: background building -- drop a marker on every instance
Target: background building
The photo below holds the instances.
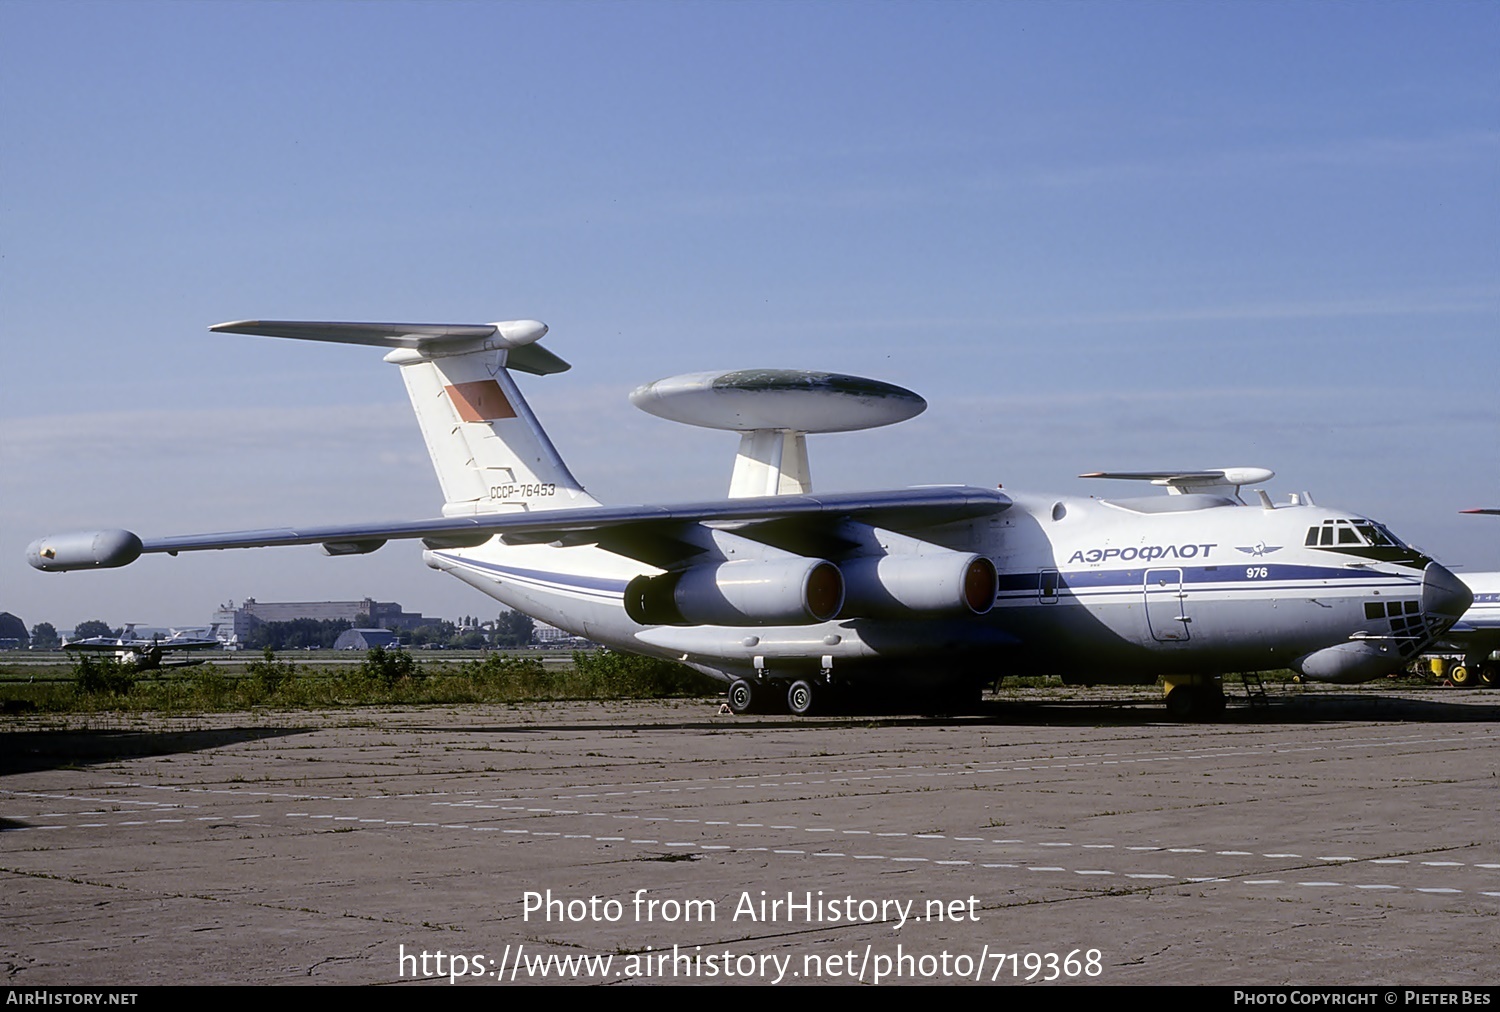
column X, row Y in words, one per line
column 12, row 632
column 365, row 639
column 368, row 613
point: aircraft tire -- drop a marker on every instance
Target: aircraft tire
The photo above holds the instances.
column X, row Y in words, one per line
column 1489, row 676
column 1182, row 702
column 742, row 696
column 1461, row 677
column 801, row 698
column 1195, row 703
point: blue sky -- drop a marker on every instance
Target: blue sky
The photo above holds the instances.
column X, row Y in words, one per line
column 1093, row 236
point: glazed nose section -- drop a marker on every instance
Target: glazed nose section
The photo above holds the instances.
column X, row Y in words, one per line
column 1444, row 596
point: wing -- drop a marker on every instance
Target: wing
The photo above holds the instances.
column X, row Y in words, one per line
column 616, row 528
column 96, row 643
column 171, row 646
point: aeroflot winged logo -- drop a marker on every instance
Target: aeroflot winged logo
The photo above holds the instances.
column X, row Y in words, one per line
column 1260, row 548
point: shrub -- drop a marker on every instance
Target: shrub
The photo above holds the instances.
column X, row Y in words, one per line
column 387, row 667
column 211, row 688
column 269, row 673
column 94, row 676
column 620, row 674
column 504, row 669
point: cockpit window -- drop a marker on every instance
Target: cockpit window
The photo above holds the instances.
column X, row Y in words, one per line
column 1364, row 539
column 1351, row 532
column 1376, row 534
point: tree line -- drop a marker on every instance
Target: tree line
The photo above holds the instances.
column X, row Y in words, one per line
column 510, row 630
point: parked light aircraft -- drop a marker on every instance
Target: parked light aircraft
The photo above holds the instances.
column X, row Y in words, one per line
column 145, row 653
column 795, row 598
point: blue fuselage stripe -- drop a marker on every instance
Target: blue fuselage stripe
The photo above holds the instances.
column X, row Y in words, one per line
column 545, row 580
column 1235, row 576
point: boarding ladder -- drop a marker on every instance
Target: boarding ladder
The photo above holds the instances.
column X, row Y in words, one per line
column 1255, row 689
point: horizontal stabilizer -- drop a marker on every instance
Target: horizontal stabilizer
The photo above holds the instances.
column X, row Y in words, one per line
column 518, row 337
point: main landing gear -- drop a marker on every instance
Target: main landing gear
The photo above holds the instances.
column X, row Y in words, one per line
column 797, row 696
column 1194, row 697
column 800, row 697
column 743, row 695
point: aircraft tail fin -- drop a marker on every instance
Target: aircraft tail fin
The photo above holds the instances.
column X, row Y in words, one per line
column 490, row 453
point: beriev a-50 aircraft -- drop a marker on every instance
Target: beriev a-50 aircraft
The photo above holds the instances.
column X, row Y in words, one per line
column 798, row 599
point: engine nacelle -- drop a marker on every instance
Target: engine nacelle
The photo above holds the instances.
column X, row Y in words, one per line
column 903, row 586
column 785, row 592
column 108, row 549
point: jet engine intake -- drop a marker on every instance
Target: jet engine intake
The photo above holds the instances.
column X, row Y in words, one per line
column 902, row 586
column 785, row 592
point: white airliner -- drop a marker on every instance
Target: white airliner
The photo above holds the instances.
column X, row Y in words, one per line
column 797, row 599
column 1477, row 633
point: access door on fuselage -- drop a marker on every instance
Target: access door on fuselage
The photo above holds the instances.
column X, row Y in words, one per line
column 1166, row 606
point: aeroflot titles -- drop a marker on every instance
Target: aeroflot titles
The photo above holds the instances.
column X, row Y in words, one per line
column 1146, row 553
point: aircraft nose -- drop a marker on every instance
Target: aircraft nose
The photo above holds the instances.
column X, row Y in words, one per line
column 1444, row 595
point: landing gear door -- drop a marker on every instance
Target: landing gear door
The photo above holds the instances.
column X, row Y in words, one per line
column 1166, row 605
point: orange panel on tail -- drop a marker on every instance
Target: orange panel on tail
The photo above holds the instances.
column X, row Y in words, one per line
column 481, row 401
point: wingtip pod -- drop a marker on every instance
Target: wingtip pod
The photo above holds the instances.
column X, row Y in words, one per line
column 518, row 332
column 108, row 549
